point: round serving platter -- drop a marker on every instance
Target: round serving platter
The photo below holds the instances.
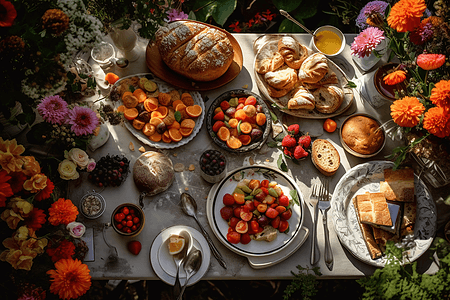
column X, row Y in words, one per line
column 366, row 178
column 164, row 87
column 270, row 46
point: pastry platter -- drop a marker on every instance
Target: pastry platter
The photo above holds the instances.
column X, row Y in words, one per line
column 164, row 87
column 366, row 178
column 266, row 49
column 161, row 70
column 259, row 253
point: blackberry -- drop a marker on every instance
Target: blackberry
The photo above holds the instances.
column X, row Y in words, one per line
column 212, row 162
column 111, row 170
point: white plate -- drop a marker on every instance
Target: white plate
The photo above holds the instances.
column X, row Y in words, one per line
column 269, row 46
column 164, row 87
column 164, row 265
column 255, row 248
column 366, row 178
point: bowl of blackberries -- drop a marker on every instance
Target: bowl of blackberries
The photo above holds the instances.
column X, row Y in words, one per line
column 213, row 166
column 110, row 170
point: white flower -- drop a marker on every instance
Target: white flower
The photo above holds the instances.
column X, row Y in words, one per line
column 68, row 170
column 76, row 229
column 79, row 157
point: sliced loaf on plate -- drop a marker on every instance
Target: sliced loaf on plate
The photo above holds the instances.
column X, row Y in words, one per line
column 325, row 157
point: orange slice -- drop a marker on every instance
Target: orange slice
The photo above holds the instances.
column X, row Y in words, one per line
column 223, row 133
column 151, row 104
column 234, row 143
column 166, row 137
column 127, row 93
column 187, row 123
column 185, row 132
column 176, row 244
column 156, row 137
column 175, row 125
column 163, row 110
column 194, row 111
column 121, row 108
column 155, row 121
column 156, row 114
column 140, row 95
column 176, row 102
column 175, row 134
column 130, row 113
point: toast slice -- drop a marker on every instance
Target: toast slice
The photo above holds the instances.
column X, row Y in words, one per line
column 325, row 157
column 372, row 209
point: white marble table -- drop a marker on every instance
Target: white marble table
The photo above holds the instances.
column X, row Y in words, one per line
column 162, row 211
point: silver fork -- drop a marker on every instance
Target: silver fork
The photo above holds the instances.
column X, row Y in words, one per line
column 324, row 206
column 313, row 200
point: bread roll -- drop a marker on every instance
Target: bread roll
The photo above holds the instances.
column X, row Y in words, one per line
column 195, row 50
column 269, row 64
column 301, row 99
column 292, row 51
column 283, row 78
column 276, row 93
column 328, row 98
column 313, row 68
column 398, row 185
column 361, row 135
column 329, row 78
column 325, row 157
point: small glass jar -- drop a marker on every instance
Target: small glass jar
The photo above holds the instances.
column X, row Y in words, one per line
column 213, row 166
column 103, row 54
column 92, row 205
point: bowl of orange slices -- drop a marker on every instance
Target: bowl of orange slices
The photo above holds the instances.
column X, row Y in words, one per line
column 238, row 121
column 156, row 113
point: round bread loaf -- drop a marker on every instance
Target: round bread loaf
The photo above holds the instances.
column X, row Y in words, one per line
column 153, row 173
column 195, row 50
column 359, row 134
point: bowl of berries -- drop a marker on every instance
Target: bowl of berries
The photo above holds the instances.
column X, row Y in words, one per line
column 128, row 219
column 238, row 121
column 213, row 166
column 295, row 144
column 110, row 170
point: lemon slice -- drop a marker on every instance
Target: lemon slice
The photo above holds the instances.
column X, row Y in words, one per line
column 176, row 244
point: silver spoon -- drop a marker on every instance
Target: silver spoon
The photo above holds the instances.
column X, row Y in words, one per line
column 189, row 206
column 191, row 266
column 288, row 16
column 121, row 62
column 180, row 257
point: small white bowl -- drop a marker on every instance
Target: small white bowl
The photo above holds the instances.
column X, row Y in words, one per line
column 334, row 30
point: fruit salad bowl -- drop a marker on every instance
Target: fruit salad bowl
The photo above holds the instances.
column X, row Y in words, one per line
column 239, row 121
column 128, row 219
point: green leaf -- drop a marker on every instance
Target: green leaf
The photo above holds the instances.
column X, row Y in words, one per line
column 294, row 196
column 351, row 84
column 286, row 5
column 272, row 144
column 306, row 11
column 288, row 26
column 177, row 115
column 281, row 164
column 219, row 10
column 273, row 116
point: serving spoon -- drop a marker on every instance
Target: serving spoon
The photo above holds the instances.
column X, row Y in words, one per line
column 191, row 267
column 179, row 258
column 189, row 206
column 288, row 16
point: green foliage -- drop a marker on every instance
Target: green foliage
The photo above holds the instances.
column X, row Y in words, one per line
column 288, row 5
column 219, row 10
column 399, row 153
column 305, row 281
column 397, row 281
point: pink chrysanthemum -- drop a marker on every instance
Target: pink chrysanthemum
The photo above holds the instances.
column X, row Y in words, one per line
column 83, row 120
column 53, row 109
column 175, row 15
column 366, row 41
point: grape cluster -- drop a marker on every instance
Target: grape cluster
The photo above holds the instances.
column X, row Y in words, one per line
column 110, row 170
column 212, row 162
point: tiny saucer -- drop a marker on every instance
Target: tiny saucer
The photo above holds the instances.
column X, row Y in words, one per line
column 162, row 262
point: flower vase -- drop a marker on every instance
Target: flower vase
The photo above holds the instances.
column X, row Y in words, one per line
column 9, row 129
column 367, row 62
column 125, row 41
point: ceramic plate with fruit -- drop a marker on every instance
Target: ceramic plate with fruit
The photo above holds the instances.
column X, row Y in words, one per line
column 256, row 211
column 238, row 121
column 156, row 113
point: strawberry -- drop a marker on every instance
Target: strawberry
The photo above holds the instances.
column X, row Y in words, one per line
column 134, row 247
column 250, row 101
column 305, row 141
column 220, row 116
column 217, row 125
column 224, row 105
column 294, row 129
column 287, row 151
column 288, row 141
column 299, row 152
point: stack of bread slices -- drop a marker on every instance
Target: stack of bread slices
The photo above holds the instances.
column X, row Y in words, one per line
column 387, row 215
column 305, row 79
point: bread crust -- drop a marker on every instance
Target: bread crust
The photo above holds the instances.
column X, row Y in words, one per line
column 293, row 52
column 325, row 157
column 398, row 185
column 360, row 134
column 269, row 64
column 301, row 99
column 328, row 98
column 313, row 69
column 283, row 78
column 195, row 50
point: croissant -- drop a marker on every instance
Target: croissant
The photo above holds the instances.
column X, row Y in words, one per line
column 301, row 99
column 269, row 64
column 283, row 78
column 313, row 68
column 292, row 51
column 329, row 78
column 276, row 93
column 328, row 98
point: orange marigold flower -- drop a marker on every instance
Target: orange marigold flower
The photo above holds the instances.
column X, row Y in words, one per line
column 435, row 21
column 395, row 77
column 405, row 15
column 430, row 61
column 62, row 212
column 440, row 94
column 64, row 249
column 70, row 280
column 437, row 122
column 406, row 111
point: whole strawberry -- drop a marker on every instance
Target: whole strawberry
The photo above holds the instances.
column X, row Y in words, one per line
column 299, row 152
column 294, row 129
column 289, row 141
column 305, row 141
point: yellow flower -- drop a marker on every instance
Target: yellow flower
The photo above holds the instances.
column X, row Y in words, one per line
column 30, row 166
column 406, row 111
column 17, row 210
column 10, row 159
column 36, row 183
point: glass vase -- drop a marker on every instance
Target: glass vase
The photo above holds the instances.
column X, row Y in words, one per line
column 125, row 41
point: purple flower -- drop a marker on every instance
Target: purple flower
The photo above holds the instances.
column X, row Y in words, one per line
column 83, row 120
column 373, row 6
column 175, row 15
column 422, row 34
column 53, row 109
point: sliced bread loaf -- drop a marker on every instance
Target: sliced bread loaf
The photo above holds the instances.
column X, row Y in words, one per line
column 325, row 157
